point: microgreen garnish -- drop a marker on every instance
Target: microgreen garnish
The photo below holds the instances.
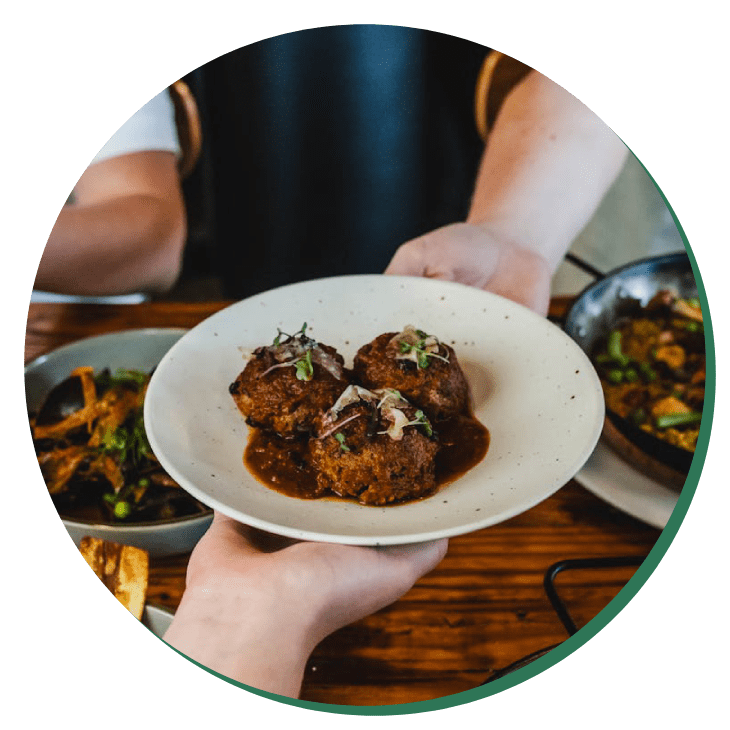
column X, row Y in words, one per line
column 421, row 420
column 340, row 438
column 300, row 351
column 304, row 367
column 421, row 349
column 300, row 333
column 399, row 421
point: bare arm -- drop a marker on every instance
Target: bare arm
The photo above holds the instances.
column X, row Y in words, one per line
column 124, row 232
column 547, row 165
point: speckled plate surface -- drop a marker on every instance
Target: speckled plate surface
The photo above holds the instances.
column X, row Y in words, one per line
column 532, row 387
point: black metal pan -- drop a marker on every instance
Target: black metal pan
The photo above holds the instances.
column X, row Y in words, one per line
column 617, row 295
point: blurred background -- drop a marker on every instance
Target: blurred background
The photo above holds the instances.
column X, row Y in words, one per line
column 323, row 150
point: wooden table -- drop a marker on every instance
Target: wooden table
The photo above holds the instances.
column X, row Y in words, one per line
column 483, row 608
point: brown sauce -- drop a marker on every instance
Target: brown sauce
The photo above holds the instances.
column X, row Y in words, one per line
column 284, row 465
column 464, row 443
column 280, row 464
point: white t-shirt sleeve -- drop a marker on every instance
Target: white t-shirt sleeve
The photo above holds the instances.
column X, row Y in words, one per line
column 152, row 128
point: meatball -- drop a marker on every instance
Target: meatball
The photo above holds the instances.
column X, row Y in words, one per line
column 420, row 367
column 285, row 386
column 376, row 447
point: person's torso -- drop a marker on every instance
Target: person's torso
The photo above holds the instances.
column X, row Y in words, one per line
column 333, row 146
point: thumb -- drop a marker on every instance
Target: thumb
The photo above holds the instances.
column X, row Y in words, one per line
column 421, row 558
column 407, row 261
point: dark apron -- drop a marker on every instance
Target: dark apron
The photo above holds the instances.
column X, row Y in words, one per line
column 330, row 147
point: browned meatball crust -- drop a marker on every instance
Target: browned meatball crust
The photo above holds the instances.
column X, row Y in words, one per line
column 273, row 393
column 437, row 385
column 356, row 455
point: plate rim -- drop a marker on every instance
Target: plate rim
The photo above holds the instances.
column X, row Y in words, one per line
column 70, row 346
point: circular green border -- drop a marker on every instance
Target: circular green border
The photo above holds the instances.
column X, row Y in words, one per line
column 651, row 74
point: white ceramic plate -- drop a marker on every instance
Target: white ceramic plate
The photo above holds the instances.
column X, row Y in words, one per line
column 157, row 619
column 615, row 481
column 532, row 387
column 139, row 349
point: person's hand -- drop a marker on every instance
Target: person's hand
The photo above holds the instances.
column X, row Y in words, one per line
column 478, row 256
column 256, row 605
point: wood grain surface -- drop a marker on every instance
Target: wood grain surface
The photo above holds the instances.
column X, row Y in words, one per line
column 483, row 608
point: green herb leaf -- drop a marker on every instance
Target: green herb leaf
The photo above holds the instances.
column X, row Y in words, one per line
column 304, row 367
column 300, row 333
column 135, row 376
column 105, row 380
column 631, row 375
column 692, row 326
column 128, row 442
column 340, row 438
column 615, row 376
column 422, row 421
column 422, row 356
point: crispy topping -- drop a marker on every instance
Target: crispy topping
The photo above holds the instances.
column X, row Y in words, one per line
column 301, row 352
column 352, row 394
column 390, row 405
column 417, row 346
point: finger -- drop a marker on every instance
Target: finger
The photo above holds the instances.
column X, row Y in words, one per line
column 421, row 558
column 249, row 537
column 412, row 259
column 406, row 262
column 235, row 537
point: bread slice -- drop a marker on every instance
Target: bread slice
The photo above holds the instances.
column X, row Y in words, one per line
column 123, row 569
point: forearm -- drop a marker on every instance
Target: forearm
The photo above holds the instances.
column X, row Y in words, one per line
column 131, row 243
column 243, row 638
column 548, row 163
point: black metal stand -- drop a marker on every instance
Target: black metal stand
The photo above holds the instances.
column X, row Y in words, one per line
column 580, row 564
column 557, row 603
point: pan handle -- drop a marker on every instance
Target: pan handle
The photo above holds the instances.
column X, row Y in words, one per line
column 585, row 266
column 589, row 269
